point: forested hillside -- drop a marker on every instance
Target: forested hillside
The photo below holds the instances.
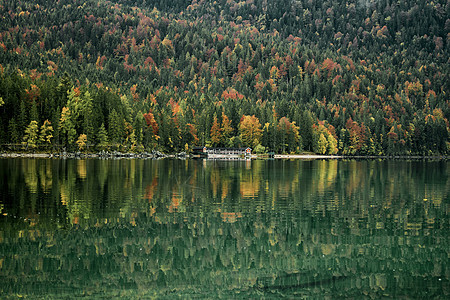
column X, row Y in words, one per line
column 353, row 77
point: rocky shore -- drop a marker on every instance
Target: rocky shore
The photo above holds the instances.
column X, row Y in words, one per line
column 184, row 155
column 101, row 154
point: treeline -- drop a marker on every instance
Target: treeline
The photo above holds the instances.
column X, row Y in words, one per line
column 355, row 78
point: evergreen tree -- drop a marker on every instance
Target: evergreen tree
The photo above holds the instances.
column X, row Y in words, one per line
column 306, row 130
column 34, row 116
column 102, row 137
column 23, row 118
column 87, row 115
column 226, row 129
column 67, row 127
column 115, row 127
column 13, row 130
column 138, row 126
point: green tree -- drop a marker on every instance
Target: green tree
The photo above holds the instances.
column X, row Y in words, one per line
column 22, row 120
column 259, row 149
column 331, row 145
column 306, row 130
column 13, row 129
column 30, row 138
column 102, row 137
column 67, row 127
column 81, row 108
column 288, row 134
column 226, row 129
column 131, row 140
column 34, row 115
column 88, row 116
column 138, row 126
column 321, row 144
column 115, row 127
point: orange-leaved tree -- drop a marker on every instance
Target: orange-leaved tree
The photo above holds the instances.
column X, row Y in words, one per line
column 216, row 132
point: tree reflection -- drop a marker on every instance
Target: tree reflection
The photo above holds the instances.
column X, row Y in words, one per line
column 134, row 228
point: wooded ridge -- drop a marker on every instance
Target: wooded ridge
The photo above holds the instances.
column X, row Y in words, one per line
column 330, row 77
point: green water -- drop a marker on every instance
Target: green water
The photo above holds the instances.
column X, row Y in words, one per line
column 224, row 229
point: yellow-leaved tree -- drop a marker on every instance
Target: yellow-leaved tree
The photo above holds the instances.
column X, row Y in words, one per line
column 46, row 132
column 81, row 142
column 31, row 135
column 250, row 131
column 216, row 133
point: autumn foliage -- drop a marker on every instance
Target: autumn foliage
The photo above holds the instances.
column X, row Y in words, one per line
column 169, row 75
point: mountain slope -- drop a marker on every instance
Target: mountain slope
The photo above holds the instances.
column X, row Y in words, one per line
column 358, row 77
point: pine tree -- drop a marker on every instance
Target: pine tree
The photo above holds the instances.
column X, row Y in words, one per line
column 34, row 116
column 138, row 126
column 14, row 131
column 22, row 120
column 102, row 137
column 306, row 130
column 67, row 127
column 87, row 115
column 115, row 127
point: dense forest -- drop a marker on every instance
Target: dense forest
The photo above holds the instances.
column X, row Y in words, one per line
column 354, row 77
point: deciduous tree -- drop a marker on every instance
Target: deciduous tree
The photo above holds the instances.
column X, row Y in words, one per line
column 215, row 133
column 30, row 138
column 46, row 132
column 81, row 142
column 250, row 131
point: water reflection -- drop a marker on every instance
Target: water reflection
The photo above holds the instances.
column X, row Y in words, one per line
column 142, row 228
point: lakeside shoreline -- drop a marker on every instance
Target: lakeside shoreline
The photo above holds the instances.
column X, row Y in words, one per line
column 159, row 155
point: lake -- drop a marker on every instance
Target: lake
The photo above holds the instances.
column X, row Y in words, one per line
column 136, row 228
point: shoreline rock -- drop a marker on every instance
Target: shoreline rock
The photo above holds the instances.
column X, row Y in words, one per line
column 102, row 154
column 183, row 155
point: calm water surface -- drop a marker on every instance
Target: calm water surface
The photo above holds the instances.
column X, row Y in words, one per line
column 227, row 229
